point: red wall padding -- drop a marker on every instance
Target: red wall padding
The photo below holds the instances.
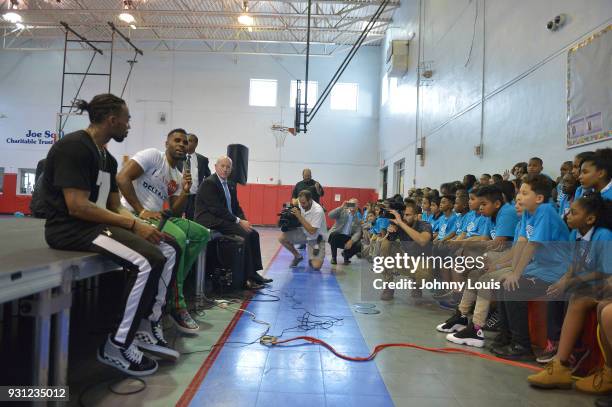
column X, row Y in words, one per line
column 10, row 202
column 260, row 202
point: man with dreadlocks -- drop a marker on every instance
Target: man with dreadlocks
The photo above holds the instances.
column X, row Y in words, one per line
column 84, row 213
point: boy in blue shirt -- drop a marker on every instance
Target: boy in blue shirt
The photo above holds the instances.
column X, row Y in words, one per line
column 568, row 188
column 576, row 164
column 501, row 218
column 435, row 214
column 566, row 168
column 536, row 264
column 459, row 330
column 536, row 166
column 474, row 224
column 500, row 227
column 461, row 210
column 425, row 209
column 596, row 173
column 447, row 222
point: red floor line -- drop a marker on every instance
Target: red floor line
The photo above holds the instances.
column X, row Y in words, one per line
column 199, row 377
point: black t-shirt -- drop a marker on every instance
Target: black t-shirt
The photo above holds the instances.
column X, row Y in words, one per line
column 75, row 162
column 418, row 225
column 309, row 185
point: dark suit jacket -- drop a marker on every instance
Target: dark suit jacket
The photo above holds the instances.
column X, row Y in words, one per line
column 211, row 205
column 203, row 170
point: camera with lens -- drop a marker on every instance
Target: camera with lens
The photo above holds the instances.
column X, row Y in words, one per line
column 286, row 220
column 393, row 205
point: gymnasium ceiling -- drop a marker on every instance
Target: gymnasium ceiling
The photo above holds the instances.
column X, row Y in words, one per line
column 278, row 26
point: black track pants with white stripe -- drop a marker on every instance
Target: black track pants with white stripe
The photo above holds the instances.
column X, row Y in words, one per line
column 156, row 267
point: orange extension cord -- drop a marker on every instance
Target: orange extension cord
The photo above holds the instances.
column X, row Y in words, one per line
column 273, row 341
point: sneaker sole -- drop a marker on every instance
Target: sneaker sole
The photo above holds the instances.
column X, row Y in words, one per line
column 476, row 343
column 160, row 351
column 455, row 328
column 140, row 373
column 545, row 360
column 594, row 392
column 521, row 358
column 563, row 386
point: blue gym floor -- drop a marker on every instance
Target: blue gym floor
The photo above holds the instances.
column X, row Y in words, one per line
column 309, row 375
column 296, row 375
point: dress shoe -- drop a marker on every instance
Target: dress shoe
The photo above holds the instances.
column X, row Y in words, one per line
column 252, row 285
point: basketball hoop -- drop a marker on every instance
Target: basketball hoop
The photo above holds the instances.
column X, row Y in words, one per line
column 280, row 133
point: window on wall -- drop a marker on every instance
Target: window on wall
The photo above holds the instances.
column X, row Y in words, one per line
column 313, row 89
column 1, row 180
column 399, row 177
column 262, row 92
column 344, row 96
column 26, row 180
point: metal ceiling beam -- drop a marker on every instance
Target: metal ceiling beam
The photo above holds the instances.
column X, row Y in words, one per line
column 221, row 39
column 181, row 13
column 48, row 24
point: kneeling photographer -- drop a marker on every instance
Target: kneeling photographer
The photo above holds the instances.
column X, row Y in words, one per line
column 406, row 234
column 312, row 231
column 346, row 232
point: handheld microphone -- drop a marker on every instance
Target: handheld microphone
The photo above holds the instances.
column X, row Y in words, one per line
column 165, row 215
column 187, row 167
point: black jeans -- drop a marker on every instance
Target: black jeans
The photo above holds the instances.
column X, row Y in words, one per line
column 514, row 311
column 338, row 240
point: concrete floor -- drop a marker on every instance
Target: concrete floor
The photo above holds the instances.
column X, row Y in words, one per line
column 309, row 375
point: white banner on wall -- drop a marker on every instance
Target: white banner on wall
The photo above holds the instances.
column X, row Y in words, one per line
column 589, row 100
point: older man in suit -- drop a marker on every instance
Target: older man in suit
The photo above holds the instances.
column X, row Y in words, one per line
column 197, row 164
column 217, row 208
column 346, row 232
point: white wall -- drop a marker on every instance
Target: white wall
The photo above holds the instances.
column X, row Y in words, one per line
column 208, row 95
column 524, row 86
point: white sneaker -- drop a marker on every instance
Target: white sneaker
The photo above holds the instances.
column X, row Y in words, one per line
column 150, row 337
column 455, row 323
column 128, row 359
column 468, row 336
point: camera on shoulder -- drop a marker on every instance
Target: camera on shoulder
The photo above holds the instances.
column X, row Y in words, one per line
column 286, row 220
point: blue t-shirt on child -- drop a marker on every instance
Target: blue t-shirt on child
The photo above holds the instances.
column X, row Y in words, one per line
column 435, row 223
column 564, row 205
column 504, row 223
column 550, row 260
column 380, row 224
column 595, row 250
column 460, row 223
column 474, row 224
column 446, row 225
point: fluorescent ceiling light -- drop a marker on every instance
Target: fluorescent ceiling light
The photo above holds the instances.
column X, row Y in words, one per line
column 12, row 17
column 127, row 17
column 245, row 19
